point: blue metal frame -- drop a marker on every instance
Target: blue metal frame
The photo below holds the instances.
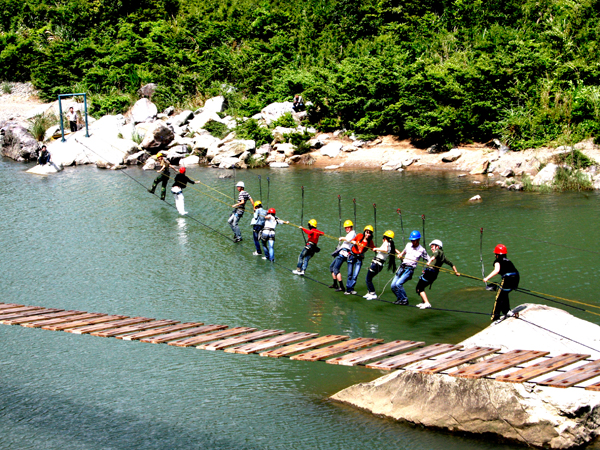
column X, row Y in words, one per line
column 62, row 128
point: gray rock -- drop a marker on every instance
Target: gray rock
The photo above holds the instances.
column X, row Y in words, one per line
column 452, row 155
column 170, row 110
column 545, row 176
column 181, row 119
column 275, row 156
column 332, row 149
column 229, row 162
column 481, row 169
column 286, row 149
column 515, row 187
column 508, row 173
column 147, row 90
column 143, row 111
column 157, row 136
column 137, row 158
column 264, row 149
column 293, row 159
column 323, row 137
column 315, row 143
column 435, row 148
column 202, row 119
column 163, row 117
column 205, row 142
column 190, row 161
column 18, row 143
column 274, row 111
column 214, row 105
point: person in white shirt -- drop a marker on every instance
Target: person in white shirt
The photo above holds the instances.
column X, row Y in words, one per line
column 410, row 255
column 341, row 255
column 72, row 117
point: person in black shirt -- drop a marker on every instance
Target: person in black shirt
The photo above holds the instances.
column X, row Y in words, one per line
column 44, row 156
column 163, row 176
column 180, row 183
column 510, row 281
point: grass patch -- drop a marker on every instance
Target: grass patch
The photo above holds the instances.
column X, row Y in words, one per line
column 38, row 125
column 286, row 121
column 567, row 179
column 300, row 141
column 257, row 161
column 6, row 88
column 575, row 159
column 251, row 129
column 136, row 137
column 216, row 129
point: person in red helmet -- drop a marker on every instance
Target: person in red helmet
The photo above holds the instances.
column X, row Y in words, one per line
column 181, row 181
column 268, row 234
column 510, row 281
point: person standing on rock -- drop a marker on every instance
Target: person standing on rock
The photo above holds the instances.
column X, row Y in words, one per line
column 238, row 211
column 258, row 222
column 268, row 234
column 44, row 156
column 310, row 248
column 298, row 103
column 163, row 175
column 341, row 255
column 72, row 118
column 362, row 244
column 383, row 253
column 180, row 183
column 410, row 257
column 510, row 281
column 430, row 273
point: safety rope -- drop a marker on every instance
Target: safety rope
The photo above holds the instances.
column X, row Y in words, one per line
column 554, row 332
column 375, row 221
column 354, row 203
column 268, row 190
column 260, row 187
column 402, row 227
column 340, row 213
column 423, row 219
column 302, row 217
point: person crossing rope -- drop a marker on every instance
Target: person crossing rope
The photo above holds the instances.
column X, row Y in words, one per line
column 163, row 175
column 383, row 253
column 510, row 281
column 238, row 211
column 341, row 255
column 430, row 273
column 268, row 234
column 258, row 222
column 362, row 243
column 310, row 248
column 410, row 256
column 179, row 184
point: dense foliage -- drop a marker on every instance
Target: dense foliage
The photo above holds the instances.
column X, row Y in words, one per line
column 445, row 71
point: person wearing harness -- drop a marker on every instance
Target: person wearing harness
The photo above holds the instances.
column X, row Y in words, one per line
column 510, row 281
column 362, row 243
column 430, row 273
column 238, row 211
column 410, row 255
column 341, row 255
column 258, row 222
column 163, row 176
column 268, row 234
column 180, row 183
column 310, row 248
column 383, row 253
column 44, row 156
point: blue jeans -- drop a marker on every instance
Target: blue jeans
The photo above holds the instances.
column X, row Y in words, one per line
column 354, row 266
column 373, row 270
column 335, row 266
column 255, row 230
column 233, row 221
column 402, row 276
column 305, row 256
column 269, row 247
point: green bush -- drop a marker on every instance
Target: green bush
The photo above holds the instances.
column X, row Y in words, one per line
column 101, row 105
column 217, row 129
column 38, row 125
column 286, row 121
column 575, row 159
column 299, row 140
column 251, row 129
column 571, row 180
column 257, row 161
column 6, row 88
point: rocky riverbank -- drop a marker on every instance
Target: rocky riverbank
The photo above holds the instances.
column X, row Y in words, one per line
column 130, row 139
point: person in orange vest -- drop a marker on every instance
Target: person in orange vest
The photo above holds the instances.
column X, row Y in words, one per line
column 361, row 244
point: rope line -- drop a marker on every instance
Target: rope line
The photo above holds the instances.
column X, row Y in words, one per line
column 558, row 334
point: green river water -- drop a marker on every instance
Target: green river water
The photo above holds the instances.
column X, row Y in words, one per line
column 96, row 241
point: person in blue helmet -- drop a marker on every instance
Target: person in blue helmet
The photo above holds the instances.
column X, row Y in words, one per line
column 410, row 257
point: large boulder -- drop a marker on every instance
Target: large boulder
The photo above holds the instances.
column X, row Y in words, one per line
column 143, row 111
column 274, row 111
column 190, row 161
column 206, row 142
column 452, row 155
column 332, row 149
column 181, row 119
column 214, row 105
column 17, row 143
column 287, row 149
column 157, row 136
column 46, row 169
column 198, row 122
column 529, row 413
column 232, row 149
column 545, row 176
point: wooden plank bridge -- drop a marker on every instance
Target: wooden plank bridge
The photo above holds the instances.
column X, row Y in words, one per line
column 333, row 349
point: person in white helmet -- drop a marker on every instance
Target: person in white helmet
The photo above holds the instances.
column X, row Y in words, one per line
column 432, row 270
column 238, row 211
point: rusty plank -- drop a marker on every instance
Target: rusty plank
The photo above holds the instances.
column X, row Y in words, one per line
column 7, row 320
column 462, row 357
column 498, row 363
column 230, row 342
column 405, row 359
column 277, row 341
column 369, row 354
column 541, row 368
column 218, row 332
column 134, row 328
column 574, row 376
column 58, row 320
column 109, row 325
column 44, row 316
column 336, row 349
column 306, row 345
column 159, row 331
column 11, row 312
column 82, row 322
column 178, row 335
column 8, row 305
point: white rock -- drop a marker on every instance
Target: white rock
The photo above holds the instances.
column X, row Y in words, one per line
column 135, row 158
column 143, row 111
column 545, row 176
column 228, row 162
column 335, row 166
column 332, row 149
column 409, row 161
column 190, row 161
column 452, row 155
column 182, row 118
column 286, row 149
column 475, row 198
column 205, row 142
column 323, row 137
column 279, row 165
column 392, row 165
column 46, row 169
column 476, row 182
column 275, row 157
column 263, row 149
column 198, row 122
column 214, row 104
column 274, row 111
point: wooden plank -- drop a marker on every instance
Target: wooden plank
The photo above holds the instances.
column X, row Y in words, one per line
column 134, row 328
column 370, row 354
column 336, row 349
column 572, row 377
column 179, row 335
column 220, row 331
column 8, row 306
column 306, row 345
column 159, row 331
column 541, row 368
column 448, row 362
column 405, row 359
column 8, row 313
column 42, row 323
column 109, row 325
column 56, row 315
column 277, row 341
column 8, row 319
column 236, row 340
column 82, row 322
column 497, row 363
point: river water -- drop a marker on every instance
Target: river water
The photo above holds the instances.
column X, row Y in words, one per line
column 96, row 241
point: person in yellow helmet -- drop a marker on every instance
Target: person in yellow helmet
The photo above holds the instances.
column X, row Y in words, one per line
column 341, row 255
column 310, row 248
column 362, row 243
column 386, row 249
column 163, row 175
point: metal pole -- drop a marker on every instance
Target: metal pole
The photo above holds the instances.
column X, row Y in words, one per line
column 62, row 128
column 87, row 131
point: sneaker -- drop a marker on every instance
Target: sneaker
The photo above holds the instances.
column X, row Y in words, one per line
column 424, row 305
column 264, row 257
column 347, row 293
column 301, row 272
column 367, row 295
column 340, row 289
column 333, row 286
column 296, row 272
column 371, row 296
column 256, row 254
column 401, row 302
column 353, row 292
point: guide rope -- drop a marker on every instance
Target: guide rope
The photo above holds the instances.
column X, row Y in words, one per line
column 302, row 217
